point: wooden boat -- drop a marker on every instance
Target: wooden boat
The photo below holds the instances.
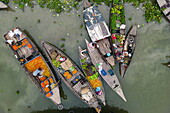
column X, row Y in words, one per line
column 2, row 5
column 165, row 5
column 71, row 74
column 128, row 50
column 104, row 69
column 98, row 30
column 117, row 28
column 92, row 74
column 34, row 64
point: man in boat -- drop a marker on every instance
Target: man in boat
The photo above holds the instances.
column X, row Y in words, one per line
column 9, row 42
column 38, row 72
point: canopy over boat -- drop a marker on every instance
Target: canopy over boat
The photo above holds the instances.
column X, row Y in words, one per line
column 166, row 5
column 95, row 24
column 105, row 70
column 2, row 5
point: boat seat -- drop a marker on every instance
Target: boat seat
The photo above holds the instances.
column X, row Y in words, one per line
column 85, row 90
column 111, row 72
column 103, row 72
column 53, row 54
column 66, row 64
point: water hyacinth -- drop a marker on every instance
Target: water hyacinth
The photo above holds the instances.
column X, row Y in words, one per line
column 152, row 10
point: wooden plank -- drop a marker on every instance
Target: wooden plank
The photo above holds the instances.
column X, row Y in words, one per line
column 105, row 48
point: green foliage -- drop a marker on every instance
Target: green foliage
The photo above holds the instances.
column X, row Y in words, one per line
column 130, row 18
column 17, row 92
column 62, row 45
column 21, row 3
column 83, row 60
column 152, row 12
column 93, row 69
column 95, row 76
column 118, row 16
column 84, row 66
column 81, row 26
column 55, row 63
column 63, row 39
column 5, row 1
column 38, row 21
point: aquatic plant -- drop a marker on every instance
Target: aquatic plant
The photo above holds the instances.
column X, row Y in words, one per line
column 17, row 92
column 152, row 12
column 9, row 109
column 23, row 3
column 63, row 39
column 64, row 49
column 5, row 1
column 130, row 18
column 81, row 26
column 38, row 21
column 62, row 45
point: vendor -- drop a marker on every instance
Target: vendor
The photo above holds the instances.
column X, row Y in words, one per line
column 9, row 42
column 38, row 72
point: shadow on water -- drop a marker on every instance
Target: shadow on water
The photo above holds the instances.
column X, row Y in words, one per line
column 168, row 63
column 8, row 9
column 105, row 109
column 62, row 94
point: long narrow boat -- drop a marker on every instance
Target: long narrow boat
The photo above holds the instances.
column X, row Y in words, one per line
column 128, row 50
column 165, row 5
column 117, row 28
column 98, row 31
column 92, row 74
column 71, row 74
column 34, row 64
column 2, row 5
column 104, row 69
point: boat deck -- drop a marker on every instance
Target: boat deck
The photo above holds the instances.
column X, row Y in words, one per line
column 70, row 74
column 105, row 49
column 33, row 63
column 92, row 74
column 105, row 70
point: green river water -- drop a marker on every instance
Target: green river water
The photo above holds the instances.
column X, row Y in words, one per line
column 147, row 82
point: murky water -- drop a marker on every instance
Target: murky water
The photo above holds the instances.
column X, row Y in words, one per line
column 146, row 85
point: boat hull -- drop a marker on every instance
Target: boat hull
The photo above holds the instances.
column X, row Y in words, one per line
column 77, row 87
column 91, row 74
column 128, row 50
column 105, row 70
column 28, row 55
column 2, row 5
